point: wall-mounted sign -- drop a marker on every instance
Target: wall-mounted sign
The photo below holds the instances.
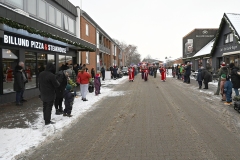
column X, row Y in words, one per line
column 204, row 35
column 229, row 48
column 23, row 42
column 189, row 46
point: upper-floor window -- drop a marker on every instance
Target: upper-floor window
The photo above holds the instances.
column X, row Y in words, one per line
column 17, row 3
column 71, row 25
column 65, row 19
column 32, row 7
column 58, row 18
column 87, row 57
column 87, row 30
column 51, row 14
column 42, row 9
column 228, row 38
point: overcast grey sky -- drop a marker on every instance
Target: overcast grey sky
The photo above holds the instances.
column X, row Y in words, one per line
column 156, row 26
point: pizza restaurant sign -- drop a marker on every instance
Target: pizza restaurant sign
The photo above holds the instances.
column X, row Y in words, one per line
column 23, row 42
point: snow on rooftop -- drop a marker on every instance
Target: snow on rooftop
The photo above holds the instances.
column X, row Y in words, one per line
column 235, row 20
column 205, row 50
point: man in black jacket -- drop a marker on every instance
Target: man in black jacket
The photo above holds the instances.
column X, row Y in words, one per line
column 19, row 84
column 187, row 73
column 25, row 79
column 103, row 73
column 47, row 86
column 235, row 78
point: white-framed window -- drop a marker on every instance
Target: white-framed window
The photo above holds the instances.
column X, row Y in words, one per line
column 97, row 39
column 87, row 29
column 115, row 50
column 16, row 3
column 32, row 7
column 65, row 19
column 71, row 25
column 42, row 9
column 87, row 57
column 51, row 14
column 58, row 18
column 229, row 38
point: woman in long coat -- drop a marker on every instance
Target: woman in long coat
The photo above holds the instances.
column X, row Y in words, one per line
column 163, row 73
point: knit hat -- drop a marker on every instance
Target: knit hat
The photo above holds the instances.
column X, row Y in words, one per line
column 68, row 87
column 223, row 64
column 69, row 71
column 223, row 76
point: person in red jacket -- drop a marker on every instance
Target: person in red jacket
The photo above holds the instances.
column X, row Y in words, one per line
column 130, row 74
column 163, row 73
column 83, row 80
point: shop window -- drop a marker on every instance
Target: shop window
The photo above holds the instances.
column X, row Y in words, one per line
column 50, row 59
column 58, row 18
column 51, row 14
column 9, row 62
column 32, row 7
column 69, row 59
column 61, row 61
column 87, row 57
column 30, row 69
column 65, row 18
column 16, row 3
column 71, row 25
column 229, row 38
column 87, row 30
column 42, row 9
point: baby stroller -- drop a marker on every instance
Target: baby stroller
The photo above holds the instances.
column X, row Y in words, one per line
column 91, row 86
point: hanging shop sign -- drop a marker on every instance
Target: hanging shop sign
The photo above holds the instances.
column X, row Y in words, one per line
column 24, row 42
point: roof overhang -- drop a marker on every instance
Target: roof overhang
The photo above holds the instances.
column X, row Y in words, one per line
column 230, row 53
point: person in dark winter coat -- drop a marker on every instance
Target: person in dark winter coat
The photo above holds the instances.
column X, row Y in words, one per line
column 115, row 72
column 19, row 84
column 235, row 78
column 103, row 73
column 47, row 85
column 93, row 73
column 62, row 77
column 199, row 77
column 187, row 73
column 228, row 91
column 222, row 70
column 25, row 80
column 69, row 98
column 97, row 84
column 206, row 77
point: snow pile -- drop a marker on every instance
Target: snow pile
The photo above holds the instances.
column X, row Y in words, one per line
column 16, row 141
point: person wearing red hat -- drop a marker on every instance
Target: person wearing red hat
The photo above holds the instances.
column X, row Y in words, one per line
column 222, row 70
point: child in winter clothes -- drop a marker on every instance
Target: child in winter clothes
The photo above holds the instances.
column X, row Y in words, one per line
column 228, row 91
column 69, row 98
column 223, row 80
column 97, row 84
column 199, row 78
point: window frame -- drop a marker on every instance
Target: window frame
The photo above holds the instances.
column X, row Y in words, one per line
column 87, row 58
column 73, row 25
column 227, row 38
column 56, row 10
column 15, row 5
column 46, row 11
column 36, row 9
column 87, row 29
column 64, row 23
column 49, row 14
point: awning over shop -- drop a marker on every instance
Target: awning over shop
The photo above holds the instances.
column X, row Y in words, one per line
column 205, row 50
column 231, row 53
column 7, row 54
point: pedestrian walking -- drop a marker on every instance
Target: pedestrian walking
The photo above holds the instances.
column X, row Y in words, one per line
column 187, row 73
column 228, row 91
column 103, row 73
column 47, row 85
column 222, row 70
column 130, row 74
column 83, row 80
column 97, row 84
column 25, row 80
column 93, row 73
column 223, row 80
column 18, row 85
column 235, row 78
column 199, row 77
column 163, row 73
column 68, row 101
column 207, row 77
column 62, row 78
column 114, row 72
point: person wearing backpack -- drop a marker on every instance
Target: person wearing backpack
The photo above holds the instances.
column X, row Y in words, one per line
column 235, row 77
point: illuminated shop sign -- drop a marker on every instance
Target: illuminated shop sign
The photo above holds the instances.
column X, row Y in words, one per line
column 23, row 42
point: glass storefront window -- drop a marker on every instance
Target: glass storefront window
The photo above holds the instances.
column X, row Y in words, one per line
column 9, row 61
column 51, row 58
column 61, row 60
column 30, row 69
column 69, row 59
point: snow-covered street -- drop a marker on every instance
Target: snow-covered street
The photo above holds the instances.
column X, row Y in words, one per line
column 16, row 140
